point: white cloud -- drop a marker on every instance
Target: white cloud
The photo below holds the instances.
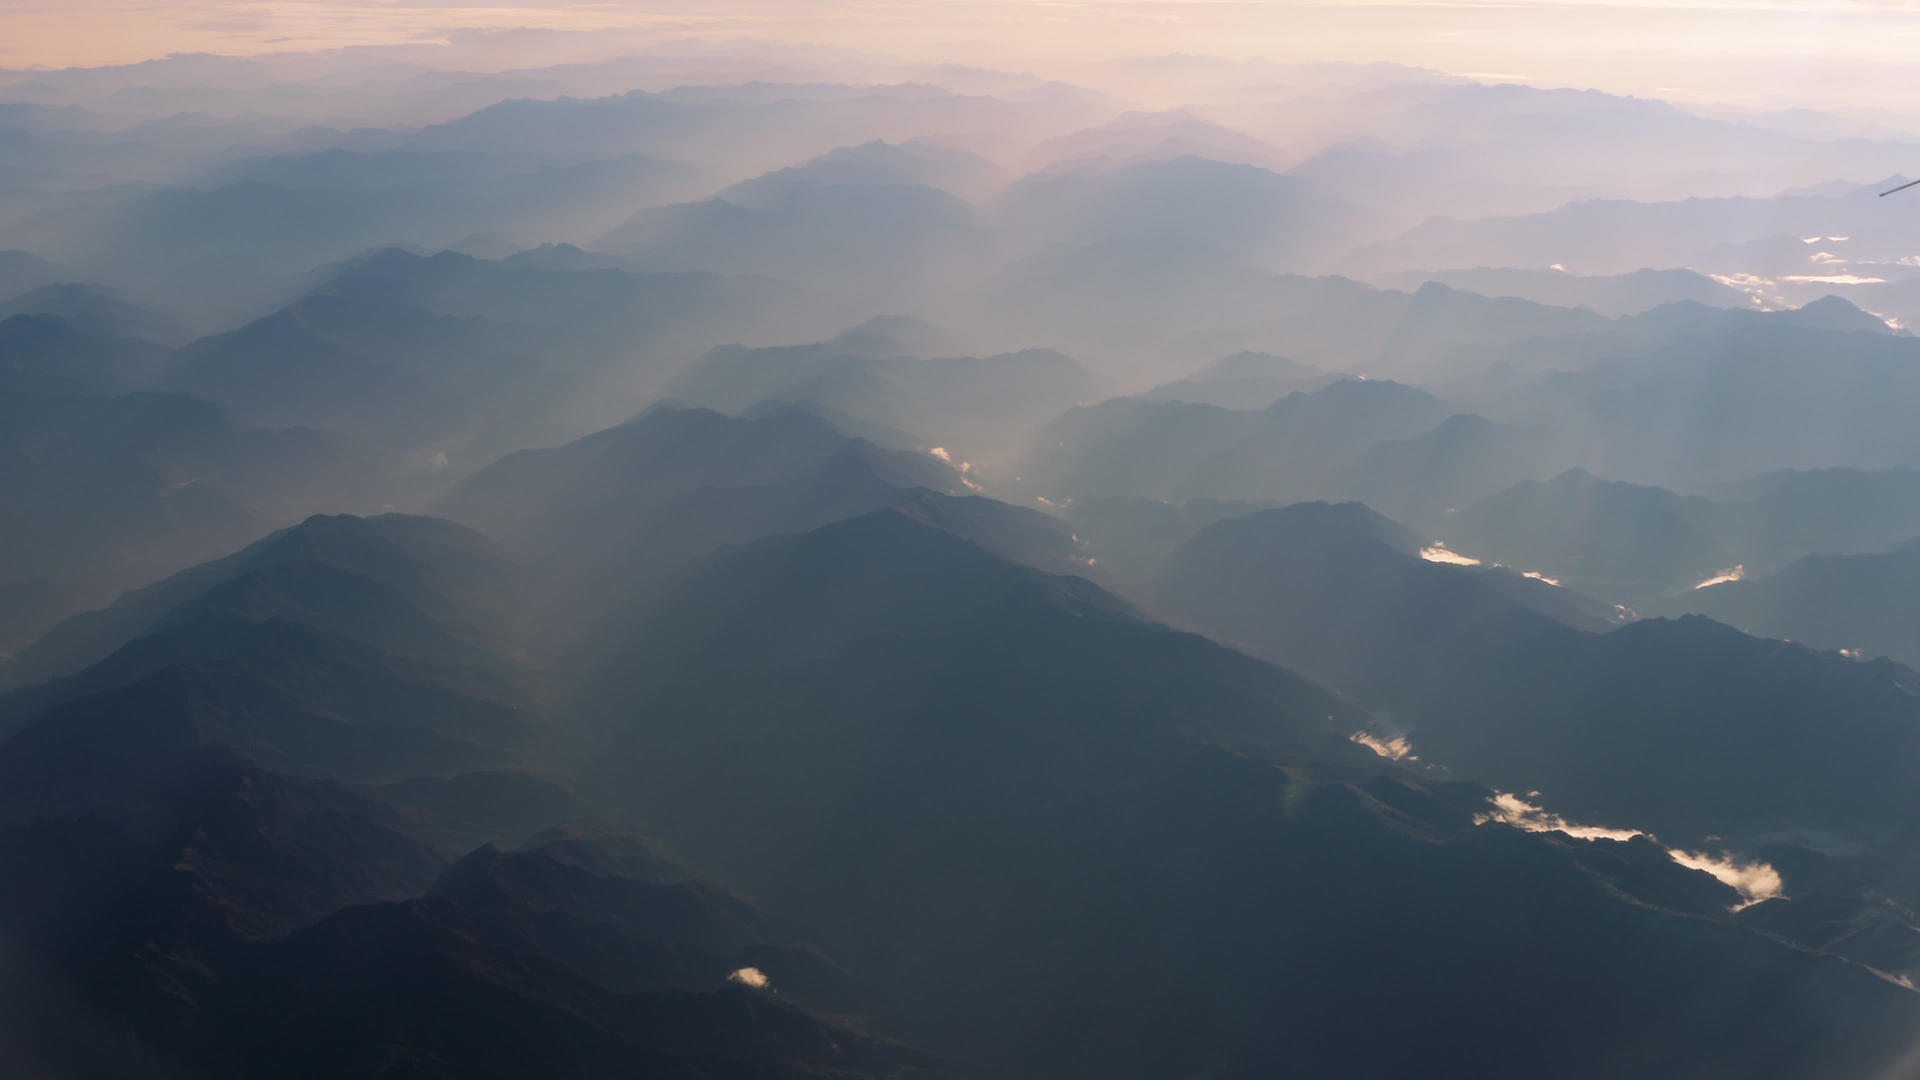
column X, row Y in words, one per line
column 1721, row 577
column 1394, row 749
column 1509, row 809
column 1439, row 553
column 1753, row 880
column 750, row 976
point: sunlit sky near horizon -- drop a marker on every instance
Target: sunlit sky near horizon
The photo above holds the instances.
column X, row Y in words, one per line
column 1731, row 50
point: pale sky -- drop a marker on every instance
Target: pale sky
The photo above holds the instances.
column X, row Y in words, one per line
column 1694, row 49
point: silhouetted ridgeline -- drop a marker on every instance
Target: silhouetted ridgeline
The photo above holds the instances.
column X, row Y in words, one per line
column 750, row 563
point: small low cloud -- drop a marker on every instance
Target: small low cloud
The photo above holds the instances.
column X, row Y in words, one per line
column 750, row 976
column 1510, row 809
column 1394, row 749
column 1721, row 577
column 1755, row 881
column 1441, row 554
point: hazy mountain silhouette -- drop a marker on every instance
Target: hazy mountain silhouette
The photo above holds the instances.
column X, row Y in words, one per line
column 1302, row 446
column 307, row 703
column 1249, row 215
column 216, row 241
column 664, row 454
column 886, row 336
column 509, row 191
column 692, row 481
column 602, row 339
column 1343, row 594
column 47, row 353
column 1861, row 602
column 1609, row 294
column 1619, row 236
column 388, row 373
column 104, row 493
column 1132, row 537
column 1424, row 478
column 1785, row 515
column 1146, row 296
column 875, row 222
column 878, row 164
column 412, row 586
column 1156, row 136
column 454, row 355
column 1637, row 543
column 980, row 407
column 1244, row 380
column 741, row 136
column 820, row 435
column 1469, row 150
column 23, row 272
column 99, row 312
column 1616, row 540
column 1687, row 396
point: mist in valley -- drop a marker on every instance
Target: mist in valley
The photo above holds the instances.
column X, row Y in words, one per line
column 919, row 540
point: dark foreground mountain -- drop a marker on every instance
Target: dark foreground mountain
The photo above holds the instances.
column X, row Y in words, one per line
column 1688, row 729
column 196, row 884
column 1685, row 727
column 976, row 806
column 204, row 958
column 954, row 770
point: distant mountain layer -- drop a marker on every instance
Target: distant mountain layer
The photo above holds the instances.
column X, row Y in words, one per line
column 1612, row 295
column 1863, row 603
column 101, row 493
column 1646, row 545
column 1398, row 448
column 421, row 356
column 1344, row 594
